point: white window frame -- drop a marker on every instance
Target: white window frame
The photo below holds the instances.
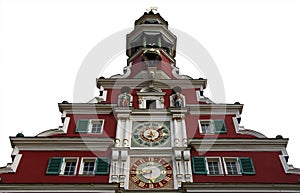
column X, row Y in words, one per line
column 103, row 96
column 216, row 159
column 159, row 104
column 92, row 121
column 212, row 129
column 236, row 159
column 198, row 96
column 82, row 165
column 63, row 166
column 90, row 127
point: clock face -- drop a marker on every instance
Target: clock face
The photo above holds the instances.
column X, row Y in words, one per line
column 151, row 173
column 151, row 134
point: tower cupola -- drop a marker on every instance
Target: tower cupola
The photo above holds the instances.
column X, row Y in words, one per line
column 151, row 32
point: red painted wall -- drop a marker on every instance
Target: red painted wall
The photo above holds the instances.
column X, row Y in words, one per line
column 138, row 65
column 268, row 168
column 33, row 165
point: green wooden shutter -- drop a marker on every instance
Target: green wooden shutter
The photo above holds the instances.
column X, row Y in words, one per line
column 82, row 126
column 102, row 166
column 219, row 126
column 54, row 165
column 199, row 165
column 247, row 166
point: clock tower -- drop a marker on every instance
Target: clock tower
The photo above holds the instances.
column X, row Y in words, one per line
column 151, row 150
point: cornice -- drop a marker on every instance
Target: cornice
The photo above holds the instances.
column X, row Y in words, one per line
column 111, row 187
column 86, row 108
column 215, row 109
column 153, row 112
column 193, row 109
column 150, row 151
column 150, row 93
column 138, row 53
column 238, row 144
column 159, row 83
column 61, row 143
column 186, row 187
column 239, row 187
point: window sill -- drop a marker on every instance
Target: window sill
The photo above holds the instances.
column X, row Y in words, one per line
column 234, row 174
column 215, row 174
column 86, row 175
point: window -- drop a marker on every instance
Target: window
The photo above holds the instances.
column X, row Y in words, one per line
column 87, row 166
column 212, row 126
column 68, row 166
column 102, row 166
column 151, row 98
column 247, row 166
column 199, row 165
column 151, row 104
column 94, row 126
column 92, row 166
column 237, row 166
column 231, row 165
column 214, row 166
column 207, row 165
column 62, row 166
column 54, row 165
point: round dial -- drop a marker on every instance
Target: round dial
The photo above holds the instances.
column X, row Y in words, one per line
column 151, row 134
column 151, row 173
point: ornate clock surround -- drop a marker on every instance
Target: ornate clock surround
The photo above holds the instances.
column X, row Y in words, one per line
column 151, row 173
column 151, row 134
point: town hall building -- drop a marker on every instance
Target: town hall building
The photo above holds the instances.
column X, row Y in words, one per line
column 150, row 129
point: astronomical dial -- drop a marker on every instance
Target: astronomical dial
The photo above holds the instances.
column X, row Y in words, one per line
column 151, row 173
column 150, row 134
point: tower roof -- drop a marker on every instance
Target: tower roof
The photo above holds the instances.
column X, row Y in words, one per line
column 151, row 18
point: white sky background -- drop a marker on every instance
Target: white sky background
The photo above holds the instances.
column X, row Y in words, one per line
column 255, row 44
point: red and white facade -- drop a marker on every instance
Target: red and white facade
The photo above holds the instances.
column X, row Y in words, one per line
column 150, row 129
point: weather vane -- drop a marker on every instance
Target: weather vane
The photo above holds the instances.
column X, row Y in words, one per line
column 152, row 9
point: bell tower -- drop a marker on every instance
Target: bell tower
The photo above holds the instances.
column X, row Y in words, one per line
column 150, row 37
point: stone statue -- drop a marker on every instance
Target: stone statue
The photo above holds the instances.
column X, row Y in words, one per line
column 124, row 100
column 178, row 100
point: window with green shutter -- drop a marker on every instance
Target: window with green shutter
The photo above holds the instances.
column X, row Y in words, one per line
column 199, row 165
column 82, row 126
column 219, row 126
column 54, row 165
column 246, row 165
column 102, row 166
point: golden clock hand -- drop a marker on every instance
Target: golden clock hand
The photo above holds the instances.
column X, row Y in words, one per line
column 151, row 134
column 151, row 177
column 152, row 180
column 146, row 171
